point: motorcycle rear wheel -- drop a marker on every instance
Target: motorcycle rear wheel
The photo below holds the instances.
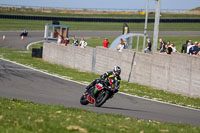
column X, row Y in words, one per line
column 101, row 98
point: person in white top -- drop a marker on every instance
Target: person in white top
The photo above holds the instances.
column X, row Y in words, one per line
column 189, row 45
column 60, row 39
column 82, row 43
column 121, row 45
column 173, row 47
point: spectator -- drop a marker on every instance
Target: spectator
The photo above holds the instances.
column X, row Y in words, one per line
column 24, row 33
column 83, row 43
column 189, row 45
column 199, row 46
column 199, row 49
column 173, row 47
column 168, row 49
column 148, row 48
column 194, row 49
column 66, row 41
column 105, row 43
column 168, row 43
column 184, row 47
column 75, row 41
column 60, row 39
column 56, row 33
column 162, row 45
column 190, row 41
column 121, row 45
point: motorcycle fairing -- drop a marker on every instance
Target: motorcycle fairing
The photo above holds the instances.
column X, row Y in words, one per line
column 90, row 99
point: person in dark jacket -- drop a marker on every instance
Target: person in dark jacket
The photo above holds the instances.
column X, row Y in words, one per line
column 194, row 49
column 162, row 46
column 184, row 47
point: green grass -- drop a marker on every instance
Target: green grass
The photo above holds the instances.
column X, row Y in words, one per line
column 16, row 24
column 24, row 57
column 18, row 116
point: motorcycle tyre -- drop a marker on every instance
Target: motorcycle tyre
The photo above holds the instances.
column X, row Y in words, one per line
column 99, row 104
column 83, row 100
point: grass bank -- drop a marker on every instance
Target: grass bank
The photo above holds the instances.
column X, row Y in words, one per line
column 18, row 24
column 17, row 116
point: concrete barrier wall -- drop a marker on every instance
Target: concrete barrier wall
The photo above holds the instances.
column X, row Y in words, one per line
column 70, row 56
column 180, row 71
column 106, row 59
column 176, row 73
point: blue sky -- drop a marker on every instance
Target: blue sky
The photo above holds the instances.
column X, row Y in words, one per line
column 106, row 4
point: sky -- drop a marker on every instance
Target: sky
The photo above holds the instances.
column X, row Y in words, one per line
column 106, row 4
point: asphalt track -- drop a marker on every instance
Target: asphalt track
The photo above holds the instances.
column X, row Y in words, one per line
column 17, row 81
column 23, row 83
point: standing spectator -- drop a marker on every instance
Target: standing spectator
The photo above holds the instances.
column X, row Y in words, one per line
column 162, row 45
column 75, row 41
column 184, row 47
column 105, row 43
column 83, row 43
column 121, row 45
column 148, row 48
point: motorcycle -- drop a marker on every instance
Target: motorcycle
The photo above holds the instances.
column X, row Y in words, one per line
column 99, row 93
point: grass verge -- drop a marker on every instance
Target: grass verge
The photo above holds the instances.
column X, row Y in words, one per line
column 17, row 116
column 18, row 24
column 85, row 77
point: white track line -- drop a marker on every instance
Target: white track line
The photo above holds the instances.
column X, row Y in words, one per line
column 17, row 69
column 86, row 84
column 27, row 47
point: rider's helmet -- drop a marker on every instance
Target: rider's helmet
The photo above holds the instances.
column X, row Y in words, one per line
column 117, row 70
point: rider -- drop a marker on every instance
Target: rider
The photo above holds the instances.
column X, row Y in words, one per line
column 111, row 74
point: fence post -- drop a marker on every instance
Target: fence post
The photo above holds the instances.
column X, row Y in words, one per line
column 132, row 63
column 93, row 59
column 138, row 39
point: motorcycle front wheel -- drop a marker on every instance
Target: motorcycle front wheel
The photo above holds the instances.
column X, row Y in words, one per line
column 101, row 98
column 83, row 100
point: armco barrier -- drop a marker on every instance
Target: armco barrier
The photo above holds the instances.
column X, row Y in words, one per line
column 176, row 73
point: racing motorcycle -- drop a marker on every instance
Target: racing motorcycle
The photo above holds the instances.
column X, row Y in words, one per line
column 99, row 93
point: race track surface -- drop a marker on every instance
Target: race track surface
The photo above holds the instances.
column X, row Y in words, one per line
column 27, row 84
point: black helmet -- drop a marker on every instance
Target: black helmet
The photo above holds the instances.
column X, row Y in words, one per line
column 117, row 70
